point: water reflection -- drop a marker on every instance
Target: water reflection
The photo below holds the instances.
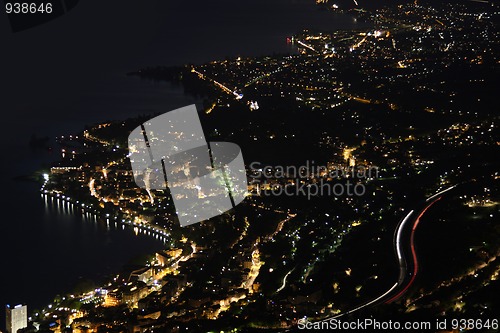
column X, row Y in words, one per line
column 62, row 206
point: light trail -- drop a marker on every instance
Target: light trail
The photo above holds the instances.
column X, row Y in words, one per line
column 307, row 46
column 441, row 192
column 202, row 76
column 355, row 46
column 284, row 281
column 364, row 305
column 399, row 251
column 400, row 256
column 413, row 252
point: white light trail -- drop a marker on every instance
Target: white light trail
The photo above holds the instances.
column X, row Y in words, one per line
column 284, row 281
column 307, row 46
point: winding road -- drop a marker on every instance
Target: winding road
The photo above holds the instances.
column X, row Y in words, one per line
column 404, row 243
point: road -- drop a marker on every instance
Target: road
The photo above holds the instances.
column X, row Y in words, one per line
column 408, row 270
column 404, row 243
column 235, row 93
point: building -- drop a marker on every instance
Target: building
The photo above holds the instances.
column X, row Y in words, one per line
column 113, row 298
column 144, row 274
column 133, row 293
column 16, row 318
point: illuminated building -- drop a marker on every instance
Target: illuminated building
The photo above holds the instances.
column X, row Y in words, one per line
column 16, row 318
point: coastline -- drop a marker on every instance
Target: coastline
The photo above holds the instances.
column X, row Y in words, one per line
column 87, row 209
